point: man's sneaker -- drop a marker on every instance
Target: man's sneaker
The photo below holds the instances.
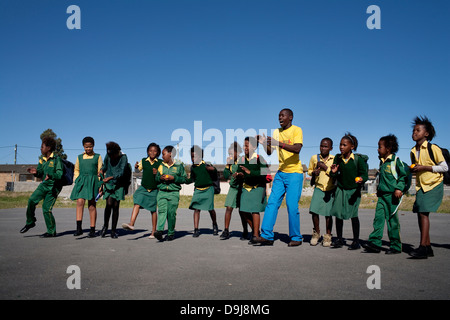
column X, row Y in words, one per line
column 314, row 238
column 260, row 241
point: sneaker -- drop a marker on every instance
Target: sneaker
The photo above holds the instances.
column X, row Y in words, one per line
column 215, row 229
column 127, row 226
column 315, row 238
column 326, row 240
column 225, row 235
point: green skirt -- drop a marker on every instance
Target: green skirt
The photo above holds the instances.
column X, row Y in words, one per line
column 85, row 187
column 203, row 199
column 145, row 199
column 254, row 200
column 232, row 198
column 429, row 201
column 114, row 191
column 322, row 202
column 346, row 203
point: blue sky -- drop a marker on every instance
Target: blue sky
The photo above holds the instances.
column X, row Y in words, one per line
column 138, row 70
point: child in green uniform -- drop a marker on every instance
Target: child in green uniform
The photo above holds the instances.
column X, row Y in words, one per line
column 203, row 198
column 171, row 175
column 429, row 181
column 50, row 169
column 87, row 184
column 252, row 170
column 351, row 173
column 234, row 192
column 392, row 182
column 324, row 187
column 145, row 195
column 113, row 169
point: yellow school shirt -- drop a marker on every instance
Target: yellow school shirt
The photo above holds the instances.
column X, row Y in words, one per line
column 425, row 179
column 323, row 180
column 289, row 162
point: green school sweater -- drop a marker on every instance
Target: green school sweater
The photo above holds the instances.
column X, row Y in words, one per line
column 201, row 176
column 387, row 182
column 228, row 172
column 258, row 170
column 177, row 171
column 52, row 167
column 149, row 181
column 347, row 172
column 114, row 168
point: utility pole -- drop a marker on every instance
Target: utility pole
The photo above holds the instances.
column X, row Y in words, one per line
column 15, row 154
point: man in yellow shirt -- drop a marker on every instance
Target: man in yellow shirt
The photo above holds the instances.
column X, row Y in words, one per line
column 288, row 141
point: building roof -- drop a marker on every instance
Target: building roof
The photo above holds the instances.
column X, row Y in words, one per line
column 17, row 168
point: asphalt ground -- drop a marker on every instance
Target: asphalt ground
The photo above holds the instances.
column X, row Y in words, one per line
column 134, row 267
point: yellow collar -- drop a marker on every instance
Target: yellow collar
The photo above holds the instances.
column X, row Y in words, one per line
column 388, row 157
column 46, row 159
column 168, row 166
column 151, row 162
column 352, row 156
column 254, row 155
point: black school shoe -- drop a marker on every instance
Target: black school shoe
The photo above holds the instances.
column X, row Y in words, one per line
column 392, row 251
column 215, row 230
column 419, row 253
column 225, row 235
column 371, row 248
column 48, row 235
column 27, row 227
column 196, row 233
column 158, row 235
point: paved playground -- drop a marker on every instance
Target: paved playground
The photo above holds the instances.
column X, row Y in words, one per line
column 205, row 268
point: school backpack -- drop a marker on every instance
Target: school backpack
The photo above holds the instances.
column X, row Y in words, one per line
column 126, row 178
column 362, row 156
column 408, row 173
column 446, row 155
column 313, row 177
column 68, row 169
column 215, row 180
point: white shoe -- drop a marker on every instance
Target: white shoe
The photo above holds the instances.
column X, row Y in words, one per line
column 315, row 238
column 151, row 237
column 127, row 226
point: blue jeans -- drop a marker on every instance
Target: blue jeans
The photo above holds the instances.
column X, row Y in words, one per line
column 289, row 184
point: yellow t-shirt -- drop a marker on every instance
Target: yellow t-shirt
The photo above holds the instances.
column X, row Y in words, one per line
column 323, row 180
column 289, row 162
column 425, row 179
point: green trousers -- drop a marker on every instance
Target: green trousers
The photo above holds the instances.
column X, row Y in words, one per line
column 167, row 210
column 49, row 195
column 386, row 205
